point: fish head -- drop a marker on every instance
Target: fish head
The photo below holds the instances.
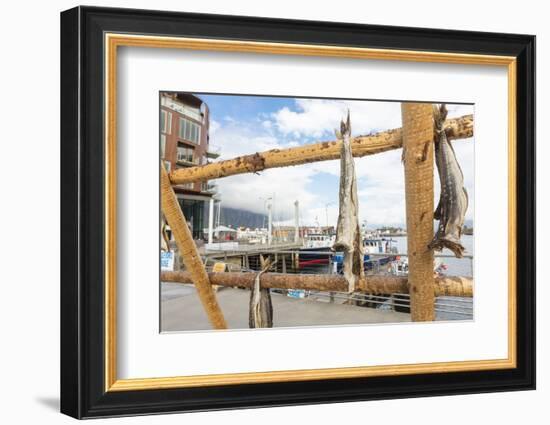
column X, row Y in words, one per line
column 345, row 127
column 440, row 115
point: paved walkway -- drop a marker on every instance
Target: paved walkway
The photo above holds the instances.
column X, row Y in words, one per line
column 181, row 310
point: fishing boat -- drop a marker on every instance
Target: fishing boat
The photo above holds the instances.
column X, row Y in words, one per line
column 378, row 252
column 401, row 267
column 317, row 250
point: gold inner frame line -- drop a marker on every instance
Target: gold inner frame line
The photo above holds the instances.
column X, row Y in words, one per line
column 112, row 41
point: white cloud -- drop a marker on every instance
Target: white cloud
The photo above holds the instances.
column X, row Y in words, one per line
column 283, row 185
column 319, row 215
column 235, row 138
column 214, row 127
column 380, row 177
column 319, row 118
column 248, row 191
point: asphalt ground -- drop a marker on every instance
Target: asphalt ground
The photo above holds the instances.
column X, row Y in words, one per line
column 181, row 310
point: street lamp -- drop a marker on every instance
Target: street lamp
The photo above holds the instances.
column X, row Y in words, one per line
column 269, row 219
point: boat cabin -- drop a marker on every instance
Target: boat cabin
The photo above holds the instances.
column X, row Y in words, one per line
column 379, row 246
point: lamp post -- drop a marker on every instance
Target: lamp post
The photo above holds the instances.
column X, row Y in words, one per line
column 267, row 202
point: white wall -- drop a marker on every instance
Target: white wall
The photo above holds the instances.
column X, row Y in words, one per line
column 29, row 263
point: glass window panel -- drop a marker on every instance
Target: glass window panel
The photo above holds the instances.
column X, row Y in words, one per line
column 162, row 145
column 169, row 124
column 183, row 128
column 185, row 153
column 163, row 120
column 187, row 130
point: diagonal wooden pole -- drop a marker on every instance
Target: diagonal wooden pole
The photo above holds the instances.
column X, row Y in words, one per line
column 188, row 251
column 418, row 131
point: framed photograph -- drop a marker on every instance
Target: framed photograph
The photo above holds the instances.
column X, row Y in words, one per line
column 261, row 212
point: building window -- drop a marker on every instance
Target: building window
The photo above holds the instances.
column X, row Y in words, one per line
column 167, row 165
column 162, row 145
column 189, row 131
column 165, row 121
column 185, row 153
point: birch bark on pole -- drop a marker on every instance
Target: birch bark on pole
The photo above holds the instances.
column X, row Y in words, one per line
column 188, row 251
column 455, row 128
column 418, row 133
column 453, row 286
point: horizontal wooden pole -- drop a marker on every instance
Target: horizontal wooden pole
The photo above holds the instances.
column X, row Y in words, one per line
column 456, row 128
column 448, row 285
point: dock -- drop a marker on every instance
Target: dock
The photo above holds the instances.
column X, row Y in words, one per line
column 181, row 310
column 285, row 256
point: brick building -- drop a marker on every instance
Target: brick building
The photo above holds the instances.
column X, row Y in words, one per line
column 184, row 142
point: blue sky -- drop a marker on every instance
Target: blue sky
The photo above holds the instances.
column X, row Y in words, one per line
column 242, row 125
column 244, row 108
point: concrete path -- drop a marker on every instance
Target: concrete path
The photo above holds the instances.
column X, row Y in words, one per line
column 181, row 310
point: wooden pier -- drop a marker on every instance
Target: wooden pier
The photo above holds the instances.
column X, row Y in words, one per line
column 284, row 256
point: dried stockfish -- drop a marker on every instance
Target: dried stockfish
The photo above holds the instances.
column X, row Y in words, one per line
column 261, row 307
column 348, row 233
column 164, row 240
column 453, row 201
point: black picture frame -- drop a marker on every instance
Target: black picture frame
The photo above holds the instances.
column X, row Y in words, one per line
column 82, row 219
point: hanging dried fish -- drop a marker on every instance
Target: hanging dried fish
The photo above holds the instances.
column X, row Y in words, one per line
column 261, row 308
column 348, row 232
column 164, row 240
column 453, row 201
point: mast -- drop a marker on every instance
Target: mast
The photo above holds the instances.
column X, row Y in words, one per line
column 296, row 221
column 269, row 223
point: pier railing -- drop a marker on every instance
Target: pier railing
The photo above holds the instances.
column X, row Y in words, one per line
column 416, row 137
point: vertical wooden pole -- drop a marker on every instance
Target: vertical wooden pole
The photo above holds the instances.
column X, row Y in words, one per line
column 188, row 251
column 418, row 130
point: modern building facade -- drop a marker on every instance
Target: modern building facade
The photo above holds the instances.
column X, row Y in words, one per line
column 185, row 142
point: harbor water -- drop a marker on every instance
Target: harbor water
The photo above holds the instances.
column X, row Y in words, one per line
column 455, row 266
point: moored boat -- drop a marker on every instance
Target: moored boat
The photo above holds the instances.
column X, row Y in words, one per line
column 317, row 250
column 378, row 252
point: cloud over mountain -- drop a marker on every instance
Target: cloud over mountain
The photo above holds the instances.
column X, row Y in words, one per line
column 315, row 185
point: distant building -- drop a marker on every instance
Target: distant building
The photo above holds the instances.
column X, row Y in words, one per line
column 252, row 236
column 287, row 233
column 311, row 230
column 184, row 142
column 389, row 231
column 284, row 233
column 223, row 233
